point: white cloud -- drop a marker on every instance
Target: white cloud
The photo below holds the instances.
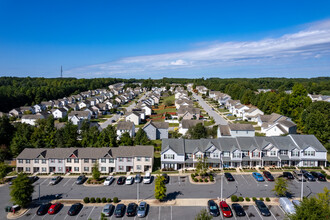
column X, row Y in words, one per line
column 313, row 41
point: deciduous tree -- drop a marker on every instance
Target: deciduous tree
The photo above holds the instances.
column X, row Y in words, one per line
column 21, row 190
column 160, row 188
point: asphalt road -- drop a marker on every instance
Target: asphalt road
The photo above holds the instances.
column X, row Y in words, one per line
column 217, row 118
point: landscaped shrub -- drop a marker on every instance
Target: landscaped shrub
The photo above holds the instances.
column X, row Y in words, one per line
column 109, row 200
column 86, row 200
column 328, row 177
column 254, row 199
column 201, row 180
column 104, row 200
column 211, row 178
column 261, row 199
column 98, row 200
column 267, row 199
column 206, row 180
column 234, row 198
column 241, row 199
column 92, row 200
column 195, row 180
column 247, row 199
column 89, row 181
column 196, row 174
column 192, row 176
column 115, row 199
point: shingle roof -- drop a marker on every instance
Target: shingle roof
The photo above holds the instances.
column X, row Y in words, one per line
column 36, row 117
column 224, row 130
column 187, row 123
column 125, row 125
column 84, row 114
column 129, row 151
column 305, row 141
column 241, row 127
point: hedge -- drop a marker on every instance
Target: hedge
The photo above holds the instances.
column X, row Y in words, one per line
column 241, row 199
column 234, row 198
column 247, row 199
column 104, row 200
column 86, row 200
column 254, row 199
column 115, row 199
column 92, row 200
column 109, row 200
column 98, row 200
column 267, row 199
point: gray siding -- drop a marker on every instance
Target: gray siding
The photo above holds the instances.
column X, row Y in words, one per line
column 151, row 132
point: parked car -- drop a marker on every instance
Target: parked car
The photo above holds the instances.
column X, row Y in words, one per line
column 107, row 209
column 75, row 209
column 287, row 205
column 147, row 178
column 55, row 180
column 12, row 180
column 53, row 209
column 108, row 180
column 81, row 179
column 229, row 177
column 120, row 210
column 288, row 175
column 262, row 208
column 131, row 209
column 43, row 209
column 137, row 178
column 213, row 208
column 225, row 209
column 142, row 210
column 166, row 178
column 318, row 176
column 296, row 202
column 33, row 178
column 268, row 176
column 113, row 121
column 298, row 175
column 129, row 180
column 121, row 180
column 238, row 209
column 309, row 176
column 258, row 176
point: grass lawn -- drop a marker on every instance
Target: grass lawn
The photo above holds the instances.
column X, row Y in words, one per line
column 165, row 110
column 160, row 172
column 105, row 116
column 257, row 128
column 246, row 122
column 174, row 124
column 209, row 123
column 231, row 117
column 158, row 143
column 223, row 110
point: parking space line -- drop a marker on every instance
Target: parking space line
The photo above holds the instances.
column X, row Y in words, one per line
column 43, row 181
column 247, row 215
column 66, row 216
column 257, row 211
column 171, row 212
column 80, row 212
column 73, row 183
column 91, row 212
column 282, row 210
column 244, row 179
column 67, row 181
column 159, row 214
column 55, row 216
column 272, row 214
column 33, row 216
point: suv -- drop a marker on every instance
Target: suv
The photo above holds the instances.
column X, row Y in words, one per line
column 298, row 175
column 288, row 175
column 80, row 179
column 147, row 178
column 55, row 180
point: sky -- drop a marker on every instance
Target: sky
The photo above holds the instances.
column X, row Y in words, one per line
column 165, row 38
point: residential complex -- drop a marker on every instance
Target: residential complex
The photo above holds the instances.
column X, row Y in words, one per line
column 82, row 160
column 291, row 150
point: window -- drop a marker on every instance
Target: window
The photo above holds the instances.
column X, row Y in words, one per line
column 236, row 155
column 103, row 169
column 27, row 169
column 245, row 153
column 93, row 160
column 121, row 167
column 103, row 160
column 86, row 160
column 36, row 161
column 43, row 161
column 295, row 153
column 68, row 160
column 255, row 154
column 129, row 159
column 59, row 161
column 138, row 158
column 60, row 169
column 20, row 161
column 284, row 152
column 111, row 160
column 44, row 169
column 76, row 160
column 309, row 153
column 76, row 169
column 226, row 154
column 273, row 153
column 52, row 160
column 121, row 159
column 138, row 167
column 207, row 154
column 27, row 161
column 215, row 155
column 147, row 159
column 86, row 169
column 169, row 156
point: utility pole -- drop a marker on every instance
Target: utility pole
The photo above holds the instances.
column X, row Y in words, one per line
column 61, row 72
column 302, row 186
column 137, row 192
column 39, row 191
column 222, row 186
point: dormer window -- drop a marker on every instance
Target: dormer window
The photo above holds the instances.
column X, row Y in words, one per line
column 226, row 154
column 272, row 153
column 309, row 153
column 236, row 155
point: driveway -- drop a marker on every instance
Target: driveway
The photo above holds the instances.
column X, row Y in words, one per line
column 217, row 118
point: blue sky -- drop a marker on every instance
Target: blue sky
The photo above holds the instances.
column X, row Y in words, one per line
column 142, row 39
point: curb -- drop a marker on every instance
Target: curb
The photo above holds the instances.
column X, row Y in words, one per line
column 11, row 216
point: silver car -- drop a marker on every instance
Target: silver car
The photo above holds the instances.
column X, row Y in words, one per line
column 142, row 210
column 55, row 180
column 107, row 209
column 137, row 178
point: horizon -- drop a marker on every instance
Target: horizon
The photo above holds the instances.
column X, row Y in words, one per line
column 157, row 39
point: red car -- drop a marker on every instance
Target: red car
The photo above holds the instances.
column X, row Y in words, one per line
column 226, row 211
column 54, row 208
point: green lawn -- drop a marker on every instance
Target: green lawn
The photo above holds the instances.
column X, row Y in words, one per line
column 231, row 117
column 223, row 110
column 209, row 123
column 165, row 110
column 257, row 128
column 246, row 122
column 174, row 124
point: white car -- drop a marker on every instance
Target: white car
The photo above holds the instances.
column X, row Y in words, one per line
column 129, row 180
column 108, row 180
column 147, row 178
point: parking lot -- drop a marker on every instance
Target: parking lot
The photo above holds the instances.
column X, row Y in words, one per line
column 155, row 212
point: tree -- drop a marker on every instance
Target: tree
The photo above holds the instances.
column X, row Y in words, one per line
column 313, row 208
column 203, row 215
column 67, row 136
column 197, row 132
column 160, row 188
column 126, row 140
column 4, row 169
column 89, row 135
column 201, row 166
column 107, row 137
column 21, row 139
column 21, row 190
column 141, row 137
column 168, row 101
column 6, row 130
column 281, row 186
column 95, row 171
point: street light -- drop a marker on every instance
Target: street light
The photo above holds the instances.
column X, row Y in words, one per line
column 137, row 192
column 302, row 186
column 222, row 186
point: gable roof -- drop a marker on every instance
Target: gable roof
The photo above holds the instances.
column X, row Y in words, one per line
column 187, row 123
column 241, row 127
column 125, row 125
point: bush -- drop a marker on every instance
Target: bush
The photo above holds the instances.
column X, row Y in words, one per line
column 109, row 200
column 192, row 176
column 328, row 177
column 211, row 178
column 241, row 199
column 254, row 199
column 196, row 174
column 115, row 199
column 92, row 200
column 86, row 200
column 195, row 180
column 201, row 180
column 89, row 181
column 206, row 180
column 234, row 198
column 247, row 199
column 261, row 199
column 98, row 200
column 104, row 200
column 267, row 199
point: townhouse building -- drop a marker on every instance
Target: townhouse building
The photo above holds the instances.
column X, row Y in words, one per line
column 82, row 160
column 279, row 151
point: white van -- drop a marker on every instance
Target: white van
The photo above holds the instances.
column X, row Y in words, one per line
column 287, row 205
column 147, row 178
